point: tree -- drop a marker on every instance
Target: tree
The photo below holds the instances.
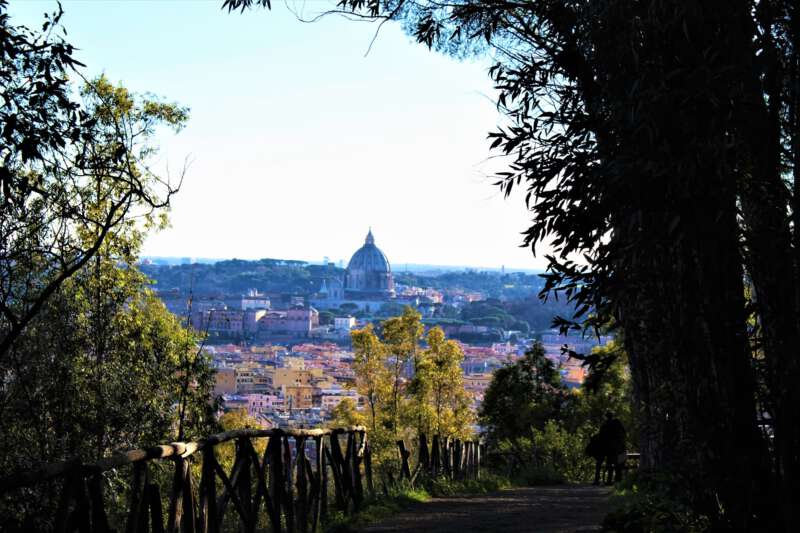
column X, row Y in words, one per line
column 56, row 152
column 401, row 335
column 373, row 381
column 346, row 414
column 522, row 397
column 443, row 375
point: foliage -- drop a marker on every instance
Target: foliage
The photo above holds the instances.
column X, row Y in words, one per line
column 654, row 503
column 433, row 401
column 92, row 362
column 236, row 276
column 346, row 414
column 537, row 430
column 72, row 170
column 401, row 337
column 437, row 389
column 522, row 397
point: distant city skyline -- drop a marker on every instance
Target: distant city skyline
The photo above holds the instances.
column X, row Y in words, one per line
column 299, row 142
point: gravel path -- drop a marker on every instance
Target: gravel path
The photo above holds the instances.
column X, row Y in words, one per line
column 562, row 508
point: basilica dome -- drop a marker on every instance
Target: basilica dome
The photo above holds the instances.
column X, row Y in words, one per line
column 368, row 274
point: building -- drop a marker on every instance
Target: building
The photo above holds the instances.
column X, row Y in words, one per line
column 344, row 323
column 368, row 275
column 255, row 300
column 225, row 381
column 298, row 321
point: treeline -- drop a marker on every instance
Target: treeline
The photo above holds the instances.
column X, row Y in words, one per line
column 493, row 284
column 236, row 276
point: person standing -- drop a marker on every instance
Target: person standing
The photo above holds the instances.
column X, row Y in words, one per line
column 612, row 440
column 594, row 449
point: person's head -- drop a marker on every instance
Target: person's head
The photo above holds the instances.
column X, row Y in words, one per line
column 609, row 415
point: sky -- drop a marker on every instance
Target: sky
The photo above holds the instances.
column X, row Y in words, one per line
column 299, row 140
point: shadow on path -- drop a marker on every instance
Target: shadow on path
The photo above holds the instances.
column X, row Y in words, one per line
column 559, row 508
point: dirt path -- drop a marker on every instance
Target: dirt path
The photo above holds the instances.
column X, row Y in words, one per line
column 563, row 508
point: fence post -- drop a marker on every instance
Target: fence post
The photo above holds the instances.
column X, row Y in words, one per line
column 358, row 488
column 405, row 470
column 287, row 486
column 302, row 484
column 208, row 492
column 424, row 456
column 275, row 478
column 319, row 480
column 478, row 459
column 435, row 456
column 368, row 466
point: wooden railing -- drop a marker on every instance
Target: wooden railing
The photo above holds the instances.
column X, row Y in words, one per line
column 292, row 490
column 283, row 489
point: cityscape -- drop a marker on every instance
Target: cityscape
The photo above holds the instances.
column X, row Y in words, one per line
column 285, row 358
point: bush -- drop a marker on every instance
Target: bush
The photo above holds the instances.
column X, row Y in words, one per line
column 653, row 503
column 563, row 451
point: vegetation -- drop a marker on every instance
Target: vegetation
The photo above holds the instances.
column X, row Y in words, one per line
column 72, row 168
column 432, row 402
column 92, row 362
column 537, row 429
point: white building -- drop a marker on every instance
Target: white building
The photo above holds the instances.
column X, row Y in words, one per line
column 255, row 300
column 344, row 323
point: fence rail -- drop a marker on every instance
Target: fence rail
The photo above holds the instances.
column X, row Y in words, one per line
column 288, row 483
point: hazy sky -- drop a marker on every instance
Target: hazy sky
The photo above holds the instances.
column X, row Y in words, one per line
column 299, row 142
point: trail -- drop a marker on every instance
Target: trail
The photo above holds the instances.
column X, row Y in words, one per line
column 561, row 508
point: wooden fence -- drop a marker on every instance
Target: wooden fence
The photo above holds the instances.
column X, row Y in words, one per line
column 450, row 458
column 288, row 483
column 293, row 492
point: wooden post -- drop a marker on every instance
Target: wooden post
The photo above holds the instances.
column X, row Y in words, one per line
column 323, row 495
column 478, row 460
column 405, row 470
column 319, row 481
column 424, row 456
column 302, row 484
column 448, row 463
column 153, row 495
column 457, row 452
column 244, row 486
column 368, row 467
column 188, row 522
column 208, row 492
column 137, row 493
column 99, row 518
column 176, row 497
column 467, row 459
column 358, row 488
column 275, row 479
column 343, row 467
column 289, row 497
column 337, row 480
column 435, row 456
